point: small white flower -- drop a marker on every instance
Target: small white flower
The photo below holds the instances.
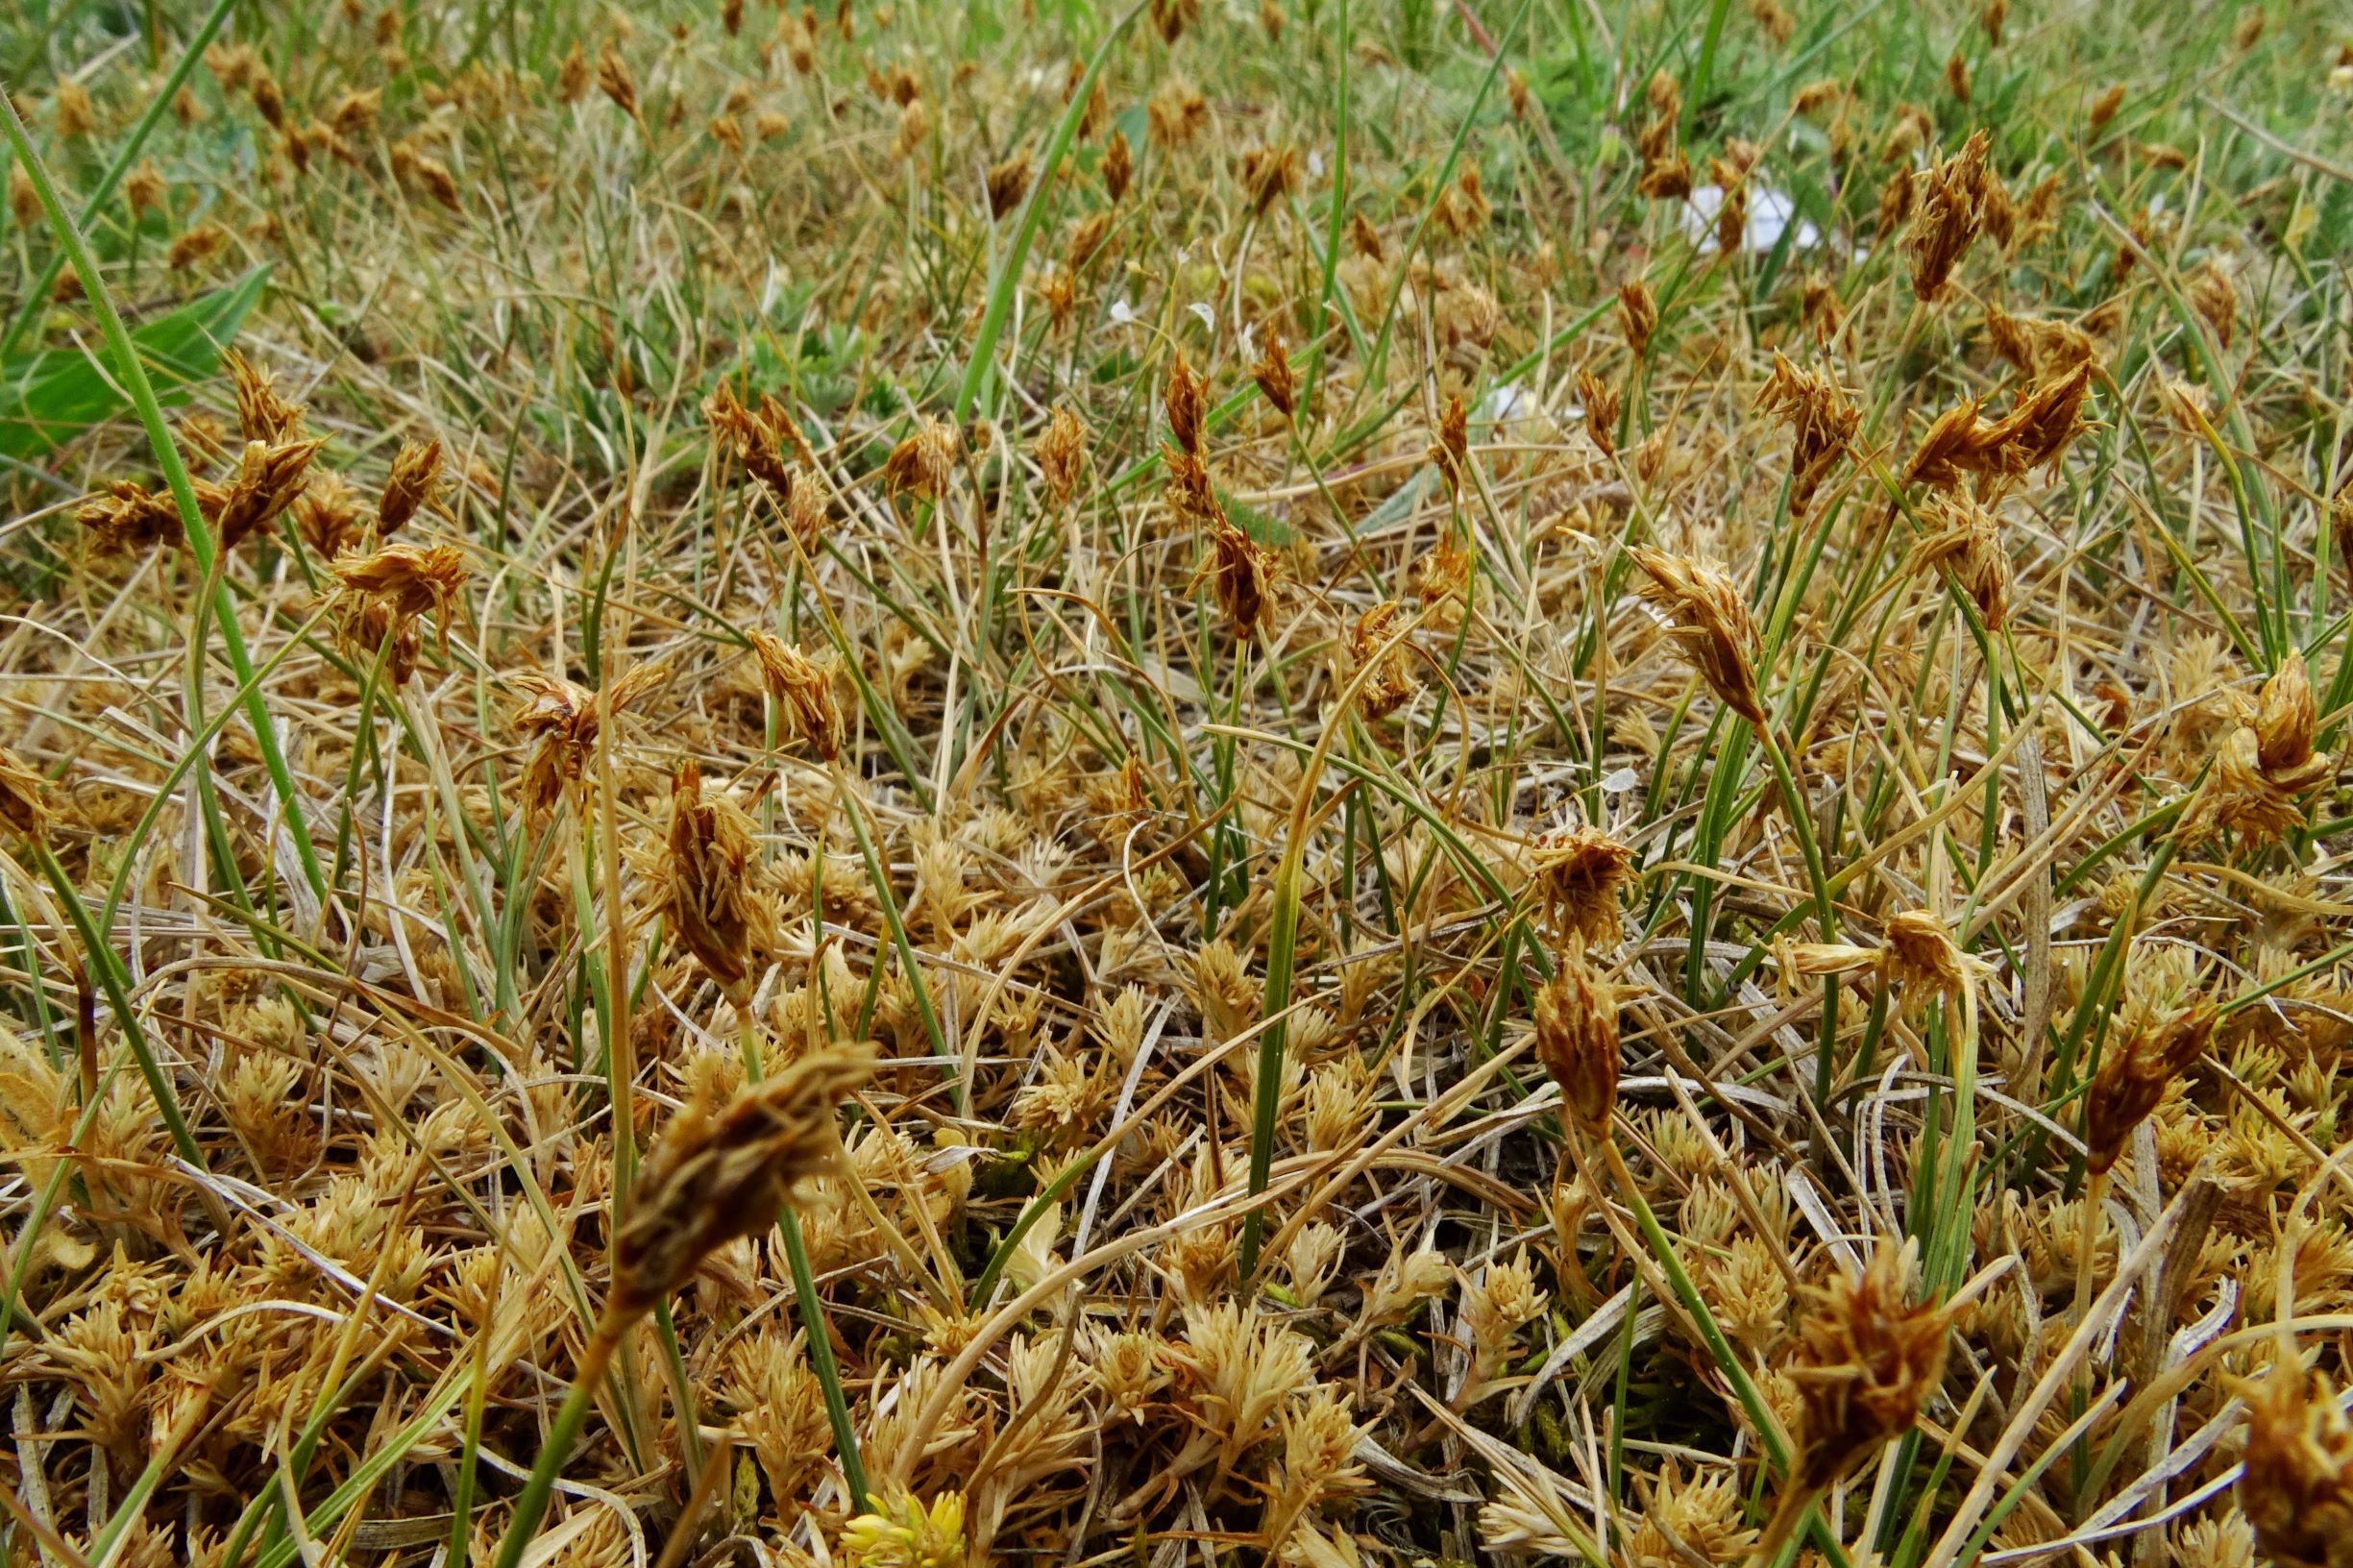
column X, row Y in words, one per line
column 1209, row 317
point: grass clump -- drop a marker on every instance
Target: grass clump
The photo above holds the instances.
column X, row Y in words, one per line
column 930, row 784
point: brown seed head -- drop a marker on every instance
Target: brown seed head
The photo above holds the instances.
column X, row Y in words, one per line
column 269, row 102
column 381, row 598
column 2286, row 719
column 710, row 891
column 2298, row 1488
column 354, row 115
column 1578, row 874
column 270, row 476
column 1268, row 175
column 808, row 709
column 1241, row 575
column 1918, row 957
column 1992, row 17
column 1866, row 1359
column 1184, row 399
column 1951, row 211
column 127, row 519
column 572, row 77
column 1273, row 372
column 1008, row 182
column 1364, row 238
column 1712, row 624
column 1822, row 421
column 419, row 170
column 1392, row 683
column 1601, row 402
column 1637, row 315
column 1061, row 451
column 414, row 479
column 1176, row 113
column 924, row 462
column 614, row 81
column 1173, row 16
column 76, row 116
column 2103, row 110
column 715, row 1176
column 1963, row 538
column 758, row 440
column 564, row 717
column 2132, row 1078
column 24, row 805
column 1577, row 1039
column 1452, row 450
column 1118, row 167
column 144, row 190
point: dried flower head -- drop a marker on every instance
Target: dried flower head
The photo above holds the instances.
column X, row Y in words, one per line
column 270, row 476
column 1185, row 400
column 1273, row 372
column 262, row 415
column 2132, row 1078
column 1578, row 874
column 711, row 891
column 1118, row 167
column 1952, row 210
column 1268, row 175
column 1241, row 574
column 2103, row 110
column 1963, row 539
column 129, row 518
column 2285, row 719
column 758, row 438
column 1713, row 625
column 410, row 579
column 1822, row 421
column 564, row 717
column 712, row 1177
column 1637, row 315
column 1008, row 182
column 1391, row 683
column 144, row 190
column 410, row 486
column 1577, row 1039
column 1452, row 450
column 2297, row 1485
column 1666, row 172
column 923, row 463
column 614, row 79
column 1602, row 406
column 1868, row 1358
column 24, row 805
column 1061, row 451
column 808, row 712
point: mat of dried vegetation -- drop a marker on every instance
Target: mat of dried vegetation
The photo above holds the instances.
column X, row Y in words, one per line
column 1058, row 783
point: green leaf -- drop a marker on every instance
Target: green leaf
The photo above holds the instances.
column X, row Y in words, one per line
column 49, row 398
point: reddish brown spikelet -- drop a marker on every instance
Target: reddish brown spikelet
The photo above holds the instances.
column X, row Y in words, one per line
column 1173, row 16
column 1391, row 684
column 1577, row 1039
column 1268, row 175
column 382, row 595
column 2103, row 110
column 1452, row 450
column 808, row 710
column 1008, row 182
column 565, row 718
column 269, row 475
column 419, row 170
column 757, row 439
column 2286, row 719
column 1185, row 400
column 1822, row 421
column 1866, row 1359
column 1273, row 372
column 127, row 519
column 1963, row 539
column 1241, row 575
column 1602, row 406
column 1951, row 211
column 614, row 81
column 2298, row 1488
column 572, row 76
column 414, row 479
column 2132, row 1078
column 1364, row 238
column 709, row 885
column 715, row 1176
column 923, row 463
column 1713, row 625
column 1637, row 315
column 1118, row 167
column 1061, row 451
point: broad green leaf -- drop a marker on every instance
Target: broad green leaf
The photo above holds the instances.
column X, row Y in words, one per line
column 48, row 398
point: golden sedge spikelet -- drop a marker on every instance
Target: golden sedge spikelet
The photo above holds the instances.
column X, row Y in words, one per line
column 710, row 887
column 715, row 1176
column 2132, row 1078
column 410, row 486
column 808, row 712
column 2297, row 1486
column 1577, row 1039
column 1868, row 1358
column 1710, row 622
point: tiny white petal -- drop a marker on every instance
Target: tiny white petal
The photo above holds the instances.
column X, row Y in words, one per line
column 1209, row 317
